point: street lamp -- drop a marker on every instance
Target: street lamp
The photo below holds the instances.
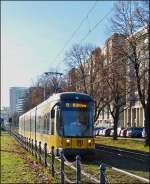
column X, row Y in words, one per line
column 46, row 74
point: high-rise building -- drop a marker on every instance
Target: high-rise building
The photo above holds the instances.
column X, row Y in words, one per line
column 16, row 99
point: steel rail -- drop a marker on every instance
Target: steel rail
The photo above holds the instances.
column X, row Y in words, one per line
column 144, row 157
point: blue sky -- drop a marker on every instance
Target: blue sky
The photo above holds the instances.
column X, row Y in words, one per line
column 33, row 33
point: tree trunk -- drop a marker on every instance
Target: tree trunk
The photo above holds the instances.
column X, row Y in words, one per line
column 147, row 124
column 147, row 108
column 116, row 124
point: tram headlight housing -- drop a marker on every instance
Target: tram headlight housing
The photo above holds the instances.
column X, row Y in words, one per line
column 68, row 141
column 89, row 141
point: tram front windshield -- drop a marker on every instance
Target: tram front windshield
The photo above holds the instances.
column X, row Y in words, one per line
column 77, row 119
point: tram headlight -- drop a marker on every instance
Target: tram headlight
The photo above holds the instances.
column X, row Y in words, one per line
column 68, row 141
column 89, row 141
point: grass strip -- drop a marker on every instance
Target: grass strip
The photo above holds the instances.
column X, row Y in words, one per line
column 130, row 144
column 19, row 166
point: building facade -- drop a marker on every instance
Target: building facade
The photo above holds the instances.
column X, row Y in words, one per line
column 114, row 65
column 133, row 114
column 16, row 99
column 117, row 64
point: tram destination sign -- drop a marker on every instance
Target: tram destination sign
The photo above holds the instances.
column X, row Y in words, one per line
column 76, row 105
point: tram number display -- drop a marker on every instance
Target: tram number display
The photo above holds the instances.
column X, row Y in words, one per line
column 76, row 105
column 79, row 143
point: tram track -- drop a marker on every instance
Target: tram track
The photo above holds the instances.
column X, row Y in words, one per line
column 132, row 163
column 138, row 156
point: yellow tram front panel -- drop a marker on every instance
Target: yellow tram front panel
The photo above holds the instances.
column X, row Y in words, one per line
column 78, row 143
column 62, row 142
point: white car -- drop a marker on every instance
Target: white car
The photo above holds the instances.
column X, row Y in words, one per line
column 143, row 133
column 101, row 131
column 112, row 132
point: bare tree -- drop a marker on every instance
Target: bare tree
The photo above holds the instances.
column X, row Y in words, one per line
column 15, row 120
column 85, row 74
column 43, row 88
column 70, row 81
column 32, row 98
column 128, row 18
column 116, row 90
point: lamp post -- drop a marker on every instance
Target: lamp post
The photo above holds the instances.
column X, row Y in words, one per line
column 46, row 74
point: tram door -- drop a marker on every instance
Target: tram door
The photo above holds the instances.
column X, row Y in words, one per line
column 54, row 119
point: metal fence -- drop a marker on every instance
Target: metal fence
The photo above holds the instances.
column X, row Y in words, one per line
column 42, row 155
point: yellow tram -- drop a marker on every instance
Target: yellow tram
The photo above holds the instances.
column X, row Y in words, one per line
column 64, row 120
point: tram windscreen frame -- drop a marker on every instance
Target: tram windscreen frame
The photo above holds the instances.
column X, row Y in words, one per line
column 77, row 118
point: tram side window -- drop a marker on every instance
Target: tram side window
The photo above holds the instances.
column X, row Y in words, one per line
column 59, row 122
column 52, row 121
column 27, row 125
column 38, row 123
column 48, row 122
column 32, row 124
column 42, row 124
column 20, row 124
column 23, row 125
column 45, row 124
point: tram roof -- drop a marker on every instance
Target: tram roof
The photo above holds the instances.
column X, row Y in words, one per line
column 72, row 95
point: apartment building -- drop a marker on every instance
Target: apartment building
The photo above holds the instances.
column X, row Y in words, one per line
column 134, row 112
column 114, row 66
column 117, row 63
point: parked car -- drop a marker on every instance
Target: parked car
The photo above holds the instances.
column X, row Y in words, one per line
column 143, row 133
column 134, row 132
column 101, row 130
column 112, row 132
column 123, row 132
column 119, row 130
column 97, row 130
column 106, row 132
